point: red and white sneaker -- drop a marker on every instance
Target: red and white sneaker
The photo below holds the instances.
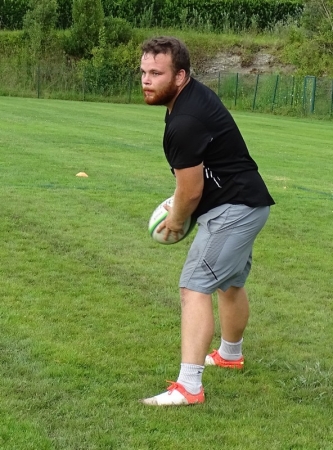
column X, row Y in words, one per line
column 215, row 359
column 176, row 395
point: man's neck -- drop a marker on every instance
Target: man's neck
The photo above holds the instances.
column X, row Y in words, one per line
column 181, row 87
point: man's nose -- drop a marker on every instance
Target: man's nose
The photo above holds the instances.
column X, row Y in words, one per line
column 145, row 79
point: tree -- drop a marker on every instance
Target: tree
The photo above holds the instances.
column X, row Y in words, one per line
column 65, row 19
column 318, row 22
column 88, row 20
column 38, row 24
column 318, row 16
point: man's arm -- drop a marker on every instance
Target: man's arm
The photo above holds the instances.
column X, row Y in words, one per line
column 189, row 187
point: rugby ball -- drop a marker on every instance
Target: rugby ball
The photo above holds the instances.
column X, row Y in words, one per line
column 158, row 216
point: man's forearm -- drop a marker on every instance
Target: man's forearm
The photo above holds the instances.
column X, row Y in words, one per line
column 184, row 204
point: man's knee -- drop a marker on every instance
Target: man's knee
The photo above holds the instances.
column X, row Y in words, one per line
column 232, row 293
column 188, row 296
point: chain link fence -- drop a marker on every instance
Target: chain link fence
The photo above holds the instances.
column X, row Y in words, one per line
column 68, row 81
column 279, row 94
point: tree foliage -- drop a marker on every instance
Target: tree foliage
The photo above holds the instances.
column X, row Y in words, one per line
column 318, row 23
column 117, row 31
column 236, row 14
column 310, row 47
column 88, row 20
column 12, row 13
column 38, row 24
column 65, row 19
column 318, row 16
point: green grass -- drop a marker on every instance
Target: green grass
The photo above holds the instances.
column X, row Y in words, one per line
column 89, row 307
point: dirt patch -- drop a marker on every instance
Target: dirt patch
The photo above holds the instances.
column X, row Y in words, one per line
column 229, row 62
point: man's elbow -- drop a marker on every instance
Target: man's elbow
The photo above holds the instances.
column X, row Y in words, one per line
column 195, row 195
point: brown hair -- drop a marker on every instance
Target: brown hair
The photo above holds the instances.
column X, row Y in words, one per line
column 169, row 45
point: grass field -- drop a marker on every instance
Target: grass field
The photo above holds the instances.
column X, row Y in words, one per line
column 89, row 311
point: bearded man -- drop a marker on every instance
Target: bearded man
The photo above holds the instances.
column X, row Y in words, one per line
column 218, row 183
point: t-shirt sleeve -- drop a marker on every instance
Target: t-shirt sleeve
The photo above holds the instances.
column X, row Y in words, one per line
column 185, row 142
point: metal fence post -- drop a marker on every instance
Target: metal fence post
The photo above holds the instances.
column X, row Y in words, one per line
column 255, row 93
column 275, row 91
column 38, row 80
column 313, row 96
column 236, row 90
column 304, row 93
column 292, row 91
column 219, row 84
column 130, row 83
column 84, row 84
column 331, row 98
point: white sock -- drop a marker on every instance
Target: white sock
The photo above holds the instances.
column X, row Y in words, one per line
column 230, row 350
column 190, row 377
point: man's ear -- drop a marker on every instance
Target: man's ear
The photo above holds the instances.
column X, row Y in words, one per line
column 180, row 77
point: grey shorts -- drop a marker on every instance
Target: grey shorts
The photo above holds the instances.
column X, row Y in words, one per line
column 221, row 253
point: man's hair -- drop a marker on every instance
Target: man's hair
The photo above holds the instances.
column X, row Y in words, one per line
column 169, row 45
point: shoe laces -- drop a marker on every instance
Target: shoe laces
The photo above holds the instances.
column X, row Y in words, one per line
column 173, row 386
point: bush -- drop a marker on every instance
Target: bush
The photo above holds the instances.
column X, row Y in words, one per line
column 311, row 46
column 12, row 13
column 110, row 66
column 65, row 19
column 88, row 18
column 11, row 42
column 117, row 31
column 318, row 16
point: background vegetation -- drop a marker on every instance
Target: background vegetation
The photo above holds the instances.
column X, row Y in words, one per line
column 103, row 38
column 168, row 13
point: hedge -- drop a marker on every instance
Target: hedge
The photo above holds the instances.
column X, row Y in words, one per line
column 12, row 13
column 237, row 14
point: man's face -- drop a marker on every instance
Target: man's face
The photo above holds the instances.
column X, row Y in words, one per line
column 159, row 83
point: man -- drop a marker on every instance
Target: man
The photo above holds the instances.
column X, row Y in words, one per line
column 218, row 183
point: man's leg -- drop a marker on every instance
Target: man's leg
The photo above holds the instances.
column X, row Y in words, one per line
column 197, row 329
column 197, row 325
column 233, row 312
column 234, row 315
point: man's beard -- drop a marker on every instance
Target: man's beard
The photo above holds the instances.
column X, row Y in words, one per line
column 162, row 97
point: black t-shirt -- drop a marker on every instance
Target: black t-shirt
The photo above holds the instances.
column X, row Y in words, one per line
column 200, row 129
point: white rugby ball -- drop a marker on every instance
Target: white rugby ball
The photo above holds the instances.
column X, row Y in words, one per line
column 158, row 216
